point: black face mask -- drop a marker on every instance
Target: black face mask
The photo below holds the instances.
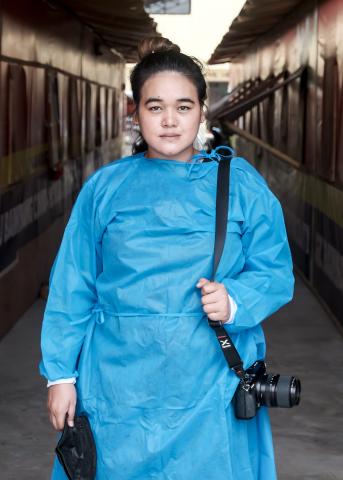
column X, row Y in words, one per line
column 76, row 450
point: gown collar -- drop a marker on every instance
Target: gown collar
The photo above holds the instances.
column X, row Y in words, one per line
column 227, row 152
column 216, row 154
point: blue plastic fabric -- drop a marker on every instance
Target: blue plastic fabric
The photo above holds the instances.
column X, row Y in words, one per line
column 124, row 315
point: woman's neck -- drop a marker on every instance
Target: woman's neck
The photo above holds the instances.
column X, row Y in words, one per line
column 151, row 153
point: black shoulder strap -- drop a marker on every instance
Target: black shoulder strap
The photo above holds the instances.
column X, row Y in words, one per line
column 222, row 207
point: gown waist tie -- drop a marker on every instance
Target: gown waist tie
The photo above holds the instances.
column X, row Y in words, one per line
column 99, row 310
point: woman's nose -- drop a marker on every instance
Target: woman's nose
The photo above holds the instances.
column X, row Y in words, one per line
column 169, row 119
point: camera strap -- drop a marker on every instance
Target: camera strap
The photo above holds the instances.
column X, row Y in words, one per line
column 222, row 207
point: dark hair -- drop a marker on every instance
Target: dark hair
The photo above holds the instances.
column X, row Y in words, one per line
column 158, row 54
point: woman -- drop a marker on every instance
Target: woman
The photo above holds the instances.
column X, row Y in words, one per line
column 130, row 293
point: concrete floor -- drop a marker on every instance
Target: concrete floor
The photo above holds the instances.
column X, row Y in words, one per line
column 302, row 341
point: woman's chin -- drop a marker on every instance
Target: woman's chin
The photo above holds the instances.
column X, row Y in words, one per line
column 172, row 150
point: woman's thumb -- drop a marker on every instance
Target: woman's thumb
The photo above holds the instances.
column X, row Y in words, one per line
column 201, row 282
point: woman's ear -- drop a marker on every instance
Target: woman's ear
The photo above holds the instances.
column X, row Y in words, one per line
column 135, row 116
column 203, row 115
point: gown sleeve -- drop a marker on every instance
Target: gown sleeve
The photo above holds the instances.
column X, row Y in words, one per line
column 72, row 290
column 266, row 281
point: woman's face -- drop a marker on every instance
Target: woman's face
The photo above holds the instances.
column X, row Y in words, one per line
column 169, row 114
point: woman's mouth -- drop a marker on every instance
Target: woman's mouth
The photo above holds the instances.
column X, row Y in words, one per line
column 169, row 136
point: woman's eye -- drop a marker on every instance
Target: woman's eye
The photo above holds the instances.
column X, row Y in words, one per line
column 184, row 108
column 154, row 108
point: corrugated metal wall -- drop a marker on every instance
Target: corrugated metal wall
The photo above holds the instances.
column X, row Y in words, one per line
column 61, row 109
column 304, row 120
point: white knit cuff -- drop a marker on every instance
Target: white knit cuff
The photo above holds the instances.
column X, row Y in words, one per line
column 61, row 380
column 233, row 310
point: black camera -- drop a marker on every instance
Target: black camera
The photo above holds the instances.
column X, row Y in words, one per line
column 257, row 388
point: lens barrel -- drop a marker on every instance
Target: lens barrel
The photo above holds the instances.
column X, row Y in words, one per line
column 278, row 390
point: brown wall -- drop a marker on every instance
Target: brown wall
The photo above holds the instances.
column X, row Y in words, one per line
column 20, row 283
column 61, row 108
column 305, row 121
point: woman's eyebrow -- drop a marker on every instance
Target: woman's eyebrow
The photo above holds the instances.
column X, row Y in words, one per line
column 156, row 99
column 189, row 100
column 152, row 99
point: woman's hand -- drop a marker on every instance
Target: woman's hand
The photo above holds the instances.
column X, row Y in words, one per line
column 61, row 401
column 215, row 300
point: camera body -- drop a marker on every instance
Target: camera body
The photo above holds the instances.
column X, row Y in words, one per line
column 260, row 388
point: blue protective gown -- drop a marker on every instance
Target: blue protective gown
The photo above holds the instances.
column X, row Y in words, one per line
column 124, row 315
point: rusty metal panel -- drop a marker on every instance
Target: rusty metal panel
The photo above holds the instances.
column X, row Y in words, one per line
column 121, row 25
column 34, row 35
column 32, row 32
column 37, row 38
column 304, row 120
column 3, row 120
column 329, row 91
column 256, row 18
column 36, row 125
column 48, row 61
column 74, row 117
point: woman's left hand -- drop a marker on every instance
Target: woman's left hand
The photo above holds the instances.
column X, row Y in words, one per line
column 215, row 300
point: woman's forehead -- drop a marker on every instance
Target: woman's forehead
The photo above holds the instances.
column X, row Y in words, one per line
column 171, row 85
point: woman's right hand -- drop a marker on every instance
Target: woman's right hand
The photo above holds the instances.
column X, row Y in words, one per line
column 61, row 401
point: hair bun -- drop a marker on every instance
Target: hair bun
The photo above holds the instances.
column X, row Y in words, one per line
column 156, row 44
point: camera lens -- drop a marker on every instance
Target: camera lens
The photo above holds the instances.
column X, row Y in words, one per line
column 288, row 391
column 279, row 391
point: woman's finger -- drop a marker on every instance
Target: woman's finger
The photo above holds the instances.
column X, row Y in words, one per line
column 202, row 281
column 210, row 287
column 210, row 297
column 51, row 420
column 211, row 308
column 58, row 415
column 71, row 414
column 54, row 422
column 216, row 316
column 60, row 420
